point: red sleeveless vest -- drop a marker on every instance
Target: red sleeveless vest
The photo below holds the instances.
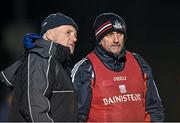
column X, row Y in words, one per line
column 117, row 96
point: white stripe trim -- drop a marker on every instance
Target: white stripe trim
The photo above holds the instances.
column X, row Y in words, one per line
column 103, row 28
column 74, row 70
column 48, row 84
column 6, row 78
column 29, row 102
column 156, row 90
column 50, row 48
column 63, row 91
column 92, row 74
column 47, row 74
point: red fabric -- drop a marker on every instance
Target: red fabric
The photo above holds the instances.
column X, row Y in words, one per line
column 117, row 96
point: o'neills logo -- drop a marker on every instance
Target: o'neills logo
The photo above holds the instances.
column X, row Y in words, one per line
column 119, row 78
column 122, row 99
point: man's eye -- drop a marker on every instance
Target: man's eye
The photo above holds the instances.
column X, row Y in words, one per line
column 68, row 32
column 110, row 34
column 119, row 33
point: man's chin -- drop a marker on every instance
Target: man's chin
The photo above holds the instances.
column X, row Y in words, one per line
column 116, row 51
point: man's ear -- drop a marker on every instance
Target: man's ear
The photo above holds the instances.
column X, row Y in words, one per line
column 49, row 35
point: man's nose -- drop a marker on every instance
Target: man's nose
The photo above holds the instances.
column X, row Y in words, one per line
column 116, row 39
column 73, row 38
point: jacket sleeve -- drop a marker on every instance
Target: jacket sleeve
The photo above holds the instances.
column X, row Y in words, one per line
column 81, row 78
column 154, row 105
column 7, row 75
column 37, row 85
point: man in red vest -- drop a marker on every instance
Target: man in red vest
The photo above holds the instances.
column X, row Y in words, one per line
column 113, row 84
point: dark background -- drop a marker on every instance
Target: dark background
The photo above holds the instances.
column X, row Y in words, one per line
column 153, row 30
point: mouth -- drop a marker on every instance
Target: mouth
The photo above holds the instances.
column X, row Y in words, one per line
column 116, row 46
column 72, row 45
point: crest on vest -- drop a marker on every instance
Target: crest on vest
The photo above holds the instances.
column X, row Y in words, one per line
column 122, row 88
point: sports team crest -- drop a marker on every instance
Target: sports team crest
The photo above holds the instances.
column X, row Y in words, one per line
column 122, row 88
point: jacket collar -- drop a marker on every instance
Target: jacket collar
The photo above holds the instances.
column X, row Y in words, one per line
column 49, row 48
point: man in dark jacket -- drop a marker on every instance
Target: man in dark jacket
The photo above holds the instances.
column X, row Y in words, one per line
column 43, row 90
column 113, row 84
